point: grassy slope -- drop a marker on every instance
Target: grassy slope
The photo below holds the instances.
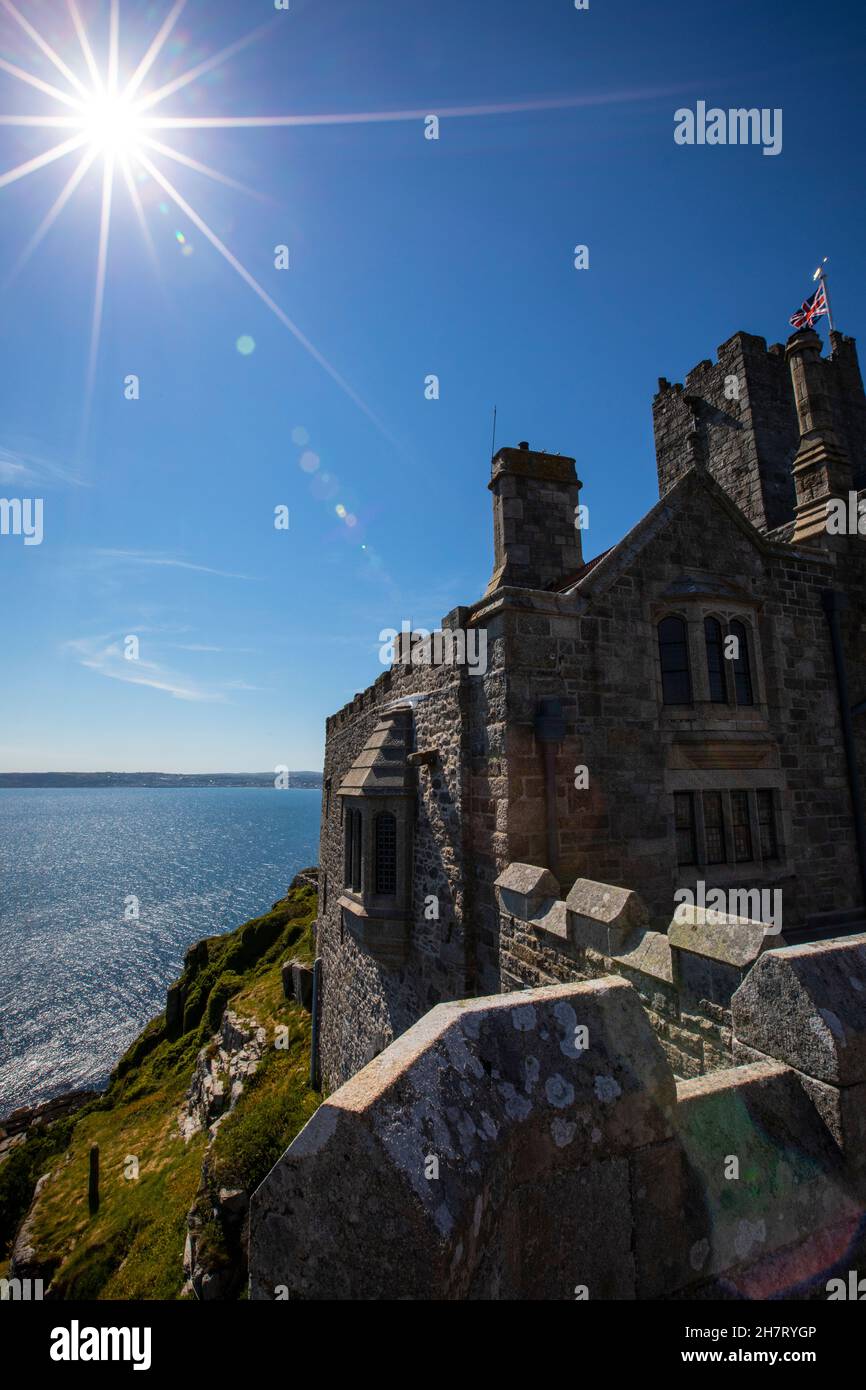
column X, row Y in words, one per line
column 132, row 1247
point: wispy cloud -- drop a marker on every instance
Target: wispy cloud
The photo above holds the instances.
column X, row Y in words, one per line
column 206, row 647
column 21, row 464
column 152, row 557
column 105, row 656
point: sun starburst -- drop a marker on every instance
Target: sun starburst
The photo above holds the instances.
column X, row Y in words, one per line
column 101, row 119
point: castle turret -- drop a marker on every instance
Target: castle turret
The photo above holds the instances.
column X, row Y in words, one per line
column 535, row 533
column 822, row 468
column 737, row 417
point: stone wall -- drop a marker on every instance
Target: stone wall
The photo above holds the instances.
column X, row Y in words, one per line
column 684, row 977
column 748, row 441
column 537, row 1146
column 595, row 648
column 458, row 847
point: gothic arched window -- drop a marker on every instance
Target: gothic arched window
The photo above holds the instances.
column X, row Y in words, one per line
column 386, row 853
column 714, row 640
column 742, row 668
column 674, row 655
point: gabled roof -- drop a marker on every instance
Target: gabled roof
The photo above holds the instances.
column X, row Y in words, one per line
column 607, row 566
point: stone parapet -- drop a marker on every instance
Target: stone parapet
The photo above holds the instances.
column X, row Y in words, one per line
column 535, row 1145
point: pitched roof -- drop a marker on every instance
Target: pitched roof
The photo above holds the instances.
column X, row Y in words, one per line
column 382, row 767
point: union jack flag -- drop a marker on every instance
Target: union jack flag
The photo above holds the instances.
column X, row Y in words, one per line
column 811, row 309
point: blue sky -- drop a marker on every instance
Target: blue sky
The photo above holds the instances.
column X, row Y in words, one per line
column 408, row 257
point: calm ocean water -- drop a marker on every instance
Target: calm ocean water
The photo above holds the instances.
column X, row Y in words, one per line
column 77, row 980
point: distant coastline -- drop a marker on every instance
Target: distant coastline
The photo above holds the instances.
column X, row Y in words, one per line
column 301, row 780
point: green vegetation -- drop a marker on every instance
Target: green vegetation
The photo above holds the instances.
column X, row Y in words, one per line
column 132, row 1247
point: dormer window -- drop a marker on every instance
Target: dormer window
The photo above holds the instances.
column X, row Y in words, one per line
column 674, row 655
column 378, row 794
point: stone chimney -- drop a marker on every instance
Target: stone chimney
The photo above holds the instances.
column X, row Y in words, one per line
column 535, row 538
column 822, row 468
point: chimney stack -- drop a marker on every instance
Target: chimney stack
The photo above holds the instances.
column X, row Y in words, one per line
column 535, row 536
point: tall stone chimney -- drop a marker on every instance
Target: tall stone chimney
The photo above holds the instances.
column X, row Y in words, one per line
column 822, row 468
column 535, row 536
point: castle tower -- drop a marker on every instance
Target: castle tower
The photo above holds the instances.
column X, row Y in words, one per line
column 535, row 534
column 822, row 468
column 738, row 418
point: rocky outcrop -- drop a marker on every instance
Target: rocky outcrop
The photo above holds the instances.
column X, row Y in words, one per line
column 221, row 1069
column 14, row 1128
column 307, row 878
column 26, row 1261
column 213, row 1257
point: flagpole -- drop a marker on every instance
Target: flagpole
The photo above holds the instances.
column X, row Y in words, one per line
column 821, row 276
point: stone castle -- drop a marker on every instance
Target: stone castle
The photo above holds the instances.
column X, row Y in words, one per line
column 678, row 717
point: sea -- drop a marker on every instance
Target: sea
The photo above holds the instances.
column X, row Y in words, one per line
column 80, row 972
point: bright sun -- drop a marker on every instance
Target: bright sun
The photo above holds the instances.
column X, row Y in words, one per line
column 111, row 123
column 108, row 118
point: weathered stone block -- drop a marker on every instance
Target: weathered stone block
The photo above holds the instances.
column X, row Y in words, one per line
column 765, row 1173
column 525, row 891
column 288, row 979
column 734, row 941
column 806, row 1005
column 302, row 984
column 603, row 916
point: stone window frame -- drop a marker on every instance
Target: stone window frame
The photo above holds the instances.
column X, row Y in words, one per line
column 732, row 871
column 694, row 614
column 381, row 921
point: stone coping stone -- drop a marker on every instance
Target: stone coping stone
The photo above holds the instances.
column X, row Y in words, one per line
column 790, row 1183
column 553, row 920
column 523, row 888
column 603, row 916
column 736, row 941
column 530, row 1103
column 651, row 955
column 806, row 1006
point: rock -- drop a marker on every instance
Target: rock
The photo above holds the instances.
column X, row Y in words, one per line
column 221, row 1069
column 288, row 979
column 233, row 1201
column 25, row 1261
column 302, row 985
column 26, row 1116
column 174, row 1001
column 736, row 941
